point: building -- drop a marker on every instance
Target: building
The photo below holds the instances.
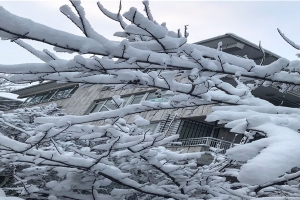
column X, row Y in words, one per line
column 195, row 134
column 8, row 103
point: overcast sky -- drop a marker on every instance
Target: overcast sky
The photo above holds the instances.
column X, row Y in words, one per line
column 254, row 21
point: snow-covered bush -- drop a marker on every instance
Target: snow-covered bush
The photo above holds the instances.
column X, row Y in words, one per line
column 116, row 160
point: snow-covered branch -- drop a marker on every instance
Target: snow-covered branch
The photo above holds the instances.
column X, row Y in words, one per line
column 70, row 159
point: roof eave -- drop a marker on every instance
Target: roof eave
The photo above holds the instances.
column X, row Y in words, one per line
column 239, row 39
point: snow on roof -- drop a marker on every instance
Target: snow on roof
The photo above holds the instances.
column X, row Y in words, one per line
column 10, row 96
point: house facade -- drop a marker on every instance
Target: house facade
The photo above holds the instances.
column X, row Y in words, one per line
column 195, row 134
column 7, row 103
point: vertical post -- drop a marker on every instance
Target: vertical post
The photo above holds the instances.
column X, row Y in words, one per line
column 213, row 129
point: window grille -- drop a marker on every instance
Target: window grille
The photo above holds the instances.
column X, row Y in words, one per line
column 193, row 129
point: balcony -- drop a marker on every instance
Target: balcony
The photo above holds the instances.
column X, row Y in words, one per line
column 204, row 142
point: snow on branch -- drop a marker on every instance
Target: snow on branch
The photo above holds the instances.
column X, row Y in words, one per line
column 71, row 159
column 117, row 17
column 293, row 44
column 44, row 55
column 263, row 52
column 14, row 27
column 122, row 160
column 271, row 122
column 147, row 10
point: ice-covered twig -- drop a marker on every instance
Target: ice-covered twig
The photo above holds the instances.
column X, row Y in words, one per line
column 116, row 17
column 263, row 52
column 293, row 44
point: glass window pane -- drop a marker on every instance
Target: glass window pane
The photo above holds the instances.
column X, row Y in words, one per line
column 151, row 96
column 58, row 94
column 151, row 128
column 29, row 99
column 137, row 98
column 103, row 109
column 67, row 92
column 73, row 90
column 126, row 98
column 110, row 105
column 97, row 106
column 62, row 93
column 157, row 98
column 36, row 99
column 48, row 96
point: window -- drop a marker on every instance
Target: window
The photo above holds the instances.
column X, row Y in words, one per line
column 97, row 106
column 194, row 129
column 136, row 99
column 61, row 93
column 105, row 105
column 257, row 136
column 48, row 96
column 154, row 97
column 36, row 99
column 152, row 127
column 27, row 100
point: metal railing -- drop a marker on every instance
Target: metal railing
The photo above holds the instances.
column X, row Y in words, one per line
column 205, row 141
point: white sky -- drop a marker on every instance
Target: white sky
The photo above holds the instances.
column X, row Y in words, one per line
column 255, row 21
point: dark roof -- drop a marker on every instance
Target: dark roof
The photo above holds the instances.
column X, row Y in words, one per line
column 238, row 46
column 40, row 88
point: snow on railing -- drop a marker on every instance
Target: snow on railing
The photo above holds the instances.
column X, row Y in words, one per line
column 205, row 141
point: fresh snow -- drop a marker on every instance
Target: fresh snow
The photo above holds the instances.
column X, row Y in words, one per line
column 69, row 157
column 10, row 95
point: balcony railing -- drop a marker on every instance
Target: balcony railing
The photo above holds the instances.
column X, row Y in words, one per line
column 205, row 141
